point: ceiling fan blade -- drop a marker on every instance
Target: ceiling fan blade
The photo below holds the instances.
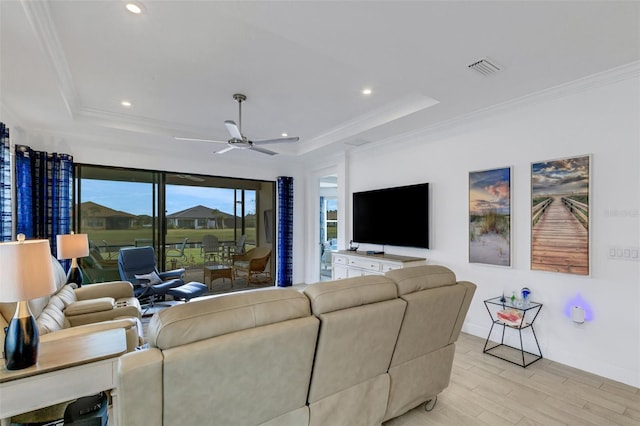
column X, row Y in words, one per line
column 189, row 177
column 227, row 149
column 262, row 150
column 276, row 140
column 197, row 140
column 233, row 129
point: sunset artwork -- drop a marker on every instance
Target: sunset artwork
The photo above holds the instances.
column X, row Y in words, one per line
column 490, row 217
column 560, row 215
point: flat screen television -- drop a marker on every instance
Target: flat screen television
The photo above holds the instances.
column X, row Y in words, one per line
column 392, row 216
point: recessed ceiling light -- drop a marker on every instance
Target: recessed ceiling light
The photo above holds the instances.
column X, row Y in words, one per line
column 134, row 8
column 284, row 135
column 366, row 91
column 125, row 103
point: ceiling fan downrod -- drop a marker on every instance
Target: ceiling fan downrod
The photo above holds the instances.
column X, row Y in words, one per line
column 239, row 98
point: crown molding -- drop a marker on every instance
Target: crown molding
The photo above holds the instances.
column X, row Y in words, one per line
column 601, row 79
column 39, row 16
column 137, row 123
column 402, row 107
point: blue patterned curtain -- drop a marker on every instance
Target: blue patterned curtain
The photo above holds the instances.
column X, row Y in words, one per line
column 284, row 258
column 5, row 184
column 43, row 199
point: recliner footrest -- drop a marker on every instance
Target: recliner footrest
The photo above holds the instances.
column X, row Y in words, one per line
column 188, row 291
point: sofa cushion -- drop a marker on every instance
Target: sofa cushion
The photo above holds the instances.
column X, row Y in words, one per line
column 36, row 305
column 88, row 306
column 67, row 294
column 241, row 264
column 418, row 278
column 51, row 319
column 359, row 323
column 56, row 301
column 332, row 296
column 218, row 315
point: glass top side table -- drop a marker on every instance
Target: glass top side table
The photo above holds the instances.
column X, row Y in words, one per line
column 517, row 317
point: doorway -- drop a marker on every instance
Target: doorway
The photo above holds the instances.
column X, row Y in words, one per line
column 328, row 224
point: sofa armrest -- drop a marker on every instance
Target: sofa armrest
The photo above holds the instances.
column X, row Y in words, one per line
column 129, row 307
column 82, row 307
column 115, row 289
column 131, row 326
column 139, row 393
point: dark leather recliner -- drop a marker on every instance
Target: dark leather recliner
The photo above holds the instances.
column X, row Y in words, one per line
column 138, row 261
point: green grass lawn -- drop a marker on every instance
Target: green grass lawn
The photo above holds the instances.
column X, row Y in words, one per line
column 123, row 237
column 110, row 241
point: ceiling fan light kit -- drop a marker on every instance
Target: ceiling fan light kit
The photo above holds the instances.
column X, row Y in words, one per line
column 238, row 140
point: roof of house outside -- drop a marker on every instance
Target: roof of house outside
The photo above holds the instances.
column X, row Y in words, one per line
column 91, row 209
column 199, row 212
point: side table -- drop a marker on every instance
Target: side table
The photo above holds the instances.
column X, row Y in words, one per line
column 218, row 271
column 67, row 369
column 523, row 321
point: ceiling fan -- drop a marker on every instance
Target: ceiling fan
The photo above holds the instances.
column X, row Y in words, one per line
column 238, row 140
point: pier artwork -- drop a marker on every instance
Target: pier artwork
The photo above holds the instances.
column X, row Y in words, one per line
column 560, row 216
column 560, row 242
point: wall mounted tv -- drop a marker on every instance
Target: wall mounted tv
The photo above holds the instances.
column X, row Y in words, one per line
column 392, row 216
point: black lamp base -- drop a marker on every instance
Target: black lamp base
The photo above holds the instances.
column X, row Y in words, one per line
column 21, row 342
column 75, row 276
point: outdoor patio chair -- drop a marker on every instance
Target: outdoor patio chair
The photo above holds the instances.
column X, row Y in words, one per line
column 96, row 268
column 234, row 247
column 177, row 253
column 211, row 249
column 252, row 265
column 239, row 247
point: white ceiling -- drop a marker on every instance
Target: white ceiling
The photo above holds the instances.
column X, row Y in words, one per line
column 66, row 65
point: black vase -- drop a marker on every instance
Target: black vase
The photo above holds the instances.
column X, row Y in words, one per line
column 21, row 343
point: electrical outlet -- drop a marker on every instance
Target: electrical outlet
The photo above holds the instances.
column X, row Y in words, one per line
column 624, row 253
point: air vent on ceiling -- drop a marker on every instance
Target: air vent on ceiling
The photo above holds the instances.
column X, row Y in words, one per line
column 484, row 67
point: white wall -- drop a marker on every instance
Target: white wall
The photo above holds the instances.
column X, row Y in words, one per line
column 581, row 119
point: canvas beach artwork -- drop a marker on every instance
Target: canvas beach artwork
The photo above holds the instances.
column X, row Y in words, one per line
column 560, row 215
column 490, row 217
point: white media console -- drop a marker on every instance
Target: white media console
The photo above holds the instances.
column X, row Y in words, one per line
column 348, row 264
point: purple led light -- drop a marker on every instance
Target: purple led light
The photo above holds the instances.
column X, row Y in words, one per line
column 578, row 300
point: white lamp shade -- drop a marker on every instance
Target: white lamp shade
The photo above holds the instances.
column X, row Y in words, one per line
column 25, row 270
column 72, row 246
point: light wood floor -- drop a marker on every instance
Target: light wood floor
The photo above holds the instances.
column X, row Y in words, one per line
column 485, row 390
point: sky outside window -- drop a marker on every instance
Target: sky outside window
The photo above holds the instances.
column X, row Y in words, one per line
column 135, row 197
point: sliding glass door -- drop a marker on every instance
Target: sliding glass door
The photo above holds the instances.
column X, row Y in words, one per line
column 116, row 208
column 119, row 207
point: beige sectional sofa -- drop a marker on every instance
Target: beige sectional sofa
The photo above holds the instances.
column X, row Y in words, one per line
column 350, row 352
column 72, row 311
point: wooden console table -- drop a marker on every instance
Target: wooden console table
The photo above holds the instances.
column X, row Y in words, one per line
column 67, row 369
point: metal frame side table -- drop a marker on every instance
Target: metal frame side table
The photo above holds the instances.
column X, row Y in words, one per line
column 529, row 314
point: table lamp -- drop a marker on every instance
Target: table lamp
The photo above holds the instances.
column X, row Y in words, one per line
column 25, row 273
column 71, row 246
